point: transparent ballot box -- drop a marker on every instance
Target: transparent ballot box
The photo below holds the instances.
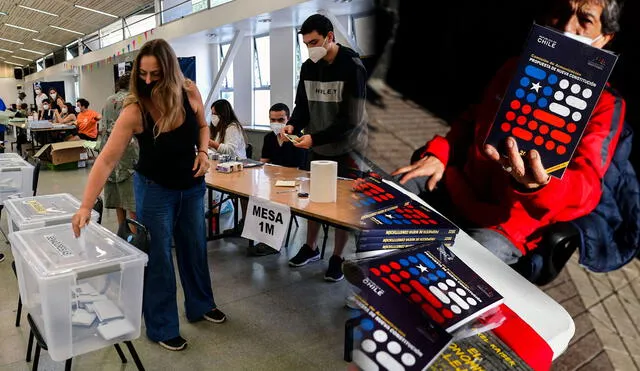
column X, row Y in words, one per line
column 16, row 177
column 84, row 294
column 42, row 211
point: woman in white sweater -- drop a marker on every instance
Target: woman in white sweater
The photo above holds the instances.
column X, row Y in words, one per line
column 227, row 135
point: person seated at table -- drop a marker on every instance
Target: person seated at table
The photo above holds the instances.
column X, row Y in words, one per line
column 86, row 122
column 275, row 150
column 506, row 201
column 48, row 112
column 66, row 114
column 57, row 101
column 23, row 111
column 227, row 134
column 278, row 152
column 13, row 108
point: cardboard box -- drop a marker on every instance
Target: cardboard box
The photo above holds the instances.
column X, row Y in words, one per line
column 63, row 152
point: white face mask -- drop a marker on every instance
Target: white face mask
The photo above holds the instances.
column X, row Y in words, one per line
column 582, row 39
column 64, row 110
column 77, row 109
column 277, row 128
column 38, row 91
column 317, row 52
column 45, row 106
column 54, row 95
column 215, row 120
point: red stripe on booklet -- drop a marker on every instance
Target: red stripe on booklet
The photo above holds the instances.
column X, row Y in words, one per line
column 524, row 340
column 549, row 118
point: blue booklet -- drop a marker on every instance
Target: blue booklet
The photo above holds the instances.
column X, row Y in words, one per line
column 551, row 97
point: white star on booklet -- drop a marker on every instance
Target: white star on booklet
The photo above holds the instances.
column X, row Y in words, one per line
column 535, row 86
column 389, row 216
column 422, row 268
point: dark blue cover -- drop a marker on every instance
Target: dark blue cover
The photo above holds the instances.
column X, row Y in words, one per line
column 550, row 98
column 431, row 277
column 411, row 219
column 390, row 332
column 611, row 233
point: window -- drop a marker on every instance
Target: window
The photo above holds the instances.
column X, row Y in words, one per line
column 261, row 80
column 91, row 43
column 40, row 64
column 226, row 91
column 214, row 3
column 111, row 34
column 176, row 9
column 72, row 50
column 141, row 21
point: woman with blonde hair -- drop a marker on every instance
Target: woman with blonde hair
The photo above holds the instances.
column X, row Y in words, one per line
column 166, row 114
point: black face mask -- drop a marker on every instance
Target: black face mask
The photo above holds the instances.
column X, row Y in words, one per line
column 145, row 89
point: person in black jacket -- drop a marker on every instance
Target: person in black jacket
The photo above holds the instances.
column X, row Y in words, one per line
column 330, row 107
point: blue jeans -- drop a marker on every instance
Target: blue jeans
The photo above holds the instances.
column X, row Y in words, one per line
column 178, row 215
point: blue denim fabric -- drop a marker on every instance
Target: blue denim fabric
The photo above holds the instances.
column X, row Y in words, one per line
column 176, row 215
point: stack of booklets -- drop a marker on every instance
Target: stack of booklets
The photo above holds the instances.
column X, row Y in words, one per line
column 412, row 301
column 392, row 220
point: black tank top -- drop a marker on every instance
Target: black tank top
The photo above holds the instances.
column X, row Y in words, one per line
column 168, row 159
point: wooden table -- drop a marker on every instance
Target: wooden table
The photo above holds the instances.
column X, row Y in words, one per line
column 260, row 182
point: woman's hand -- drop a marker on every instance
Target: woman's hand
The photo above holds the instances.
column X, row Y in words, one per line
column 81, row 218
column 201, row 164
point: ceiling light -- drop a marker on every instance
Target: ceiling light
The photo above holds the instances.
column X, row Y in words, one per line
column 11, row 41
column 37, row 10
column 4, row 13
column 32, row 51
column 66, row 29
column 6, row 50
column 24, row 59
column 47, row 42
column 95, row 11
column 20, row 28
column 15, row 64
column 3, row 58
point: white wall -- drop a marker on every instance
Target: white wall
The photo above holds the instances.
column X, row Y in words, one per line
column 96, row 86
column 8, row 91
column 197, row 46
column 243, row 82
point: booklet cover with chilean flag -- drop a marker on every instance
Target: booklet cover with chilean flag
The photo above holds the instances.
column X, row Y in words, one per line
column 551, row 97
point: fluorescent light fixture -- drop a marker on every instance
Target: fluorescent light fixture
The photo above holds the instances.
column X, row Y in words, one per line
column 95, row 11
column 11, row 41
column 20, row 27
column 6, row 50
column 24, row 59
column 3, row 58
column 66, row 29
column 46, row 42
column 37, row 10
column 4, row 13
column 32, row 51
column 15, row 64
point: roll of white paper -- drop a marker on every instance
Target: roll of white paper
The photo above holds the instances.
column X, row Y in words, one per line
column 324, row 181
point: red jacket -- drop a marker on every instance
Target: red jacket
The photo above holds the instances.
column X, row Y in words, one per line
column 484, row 194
